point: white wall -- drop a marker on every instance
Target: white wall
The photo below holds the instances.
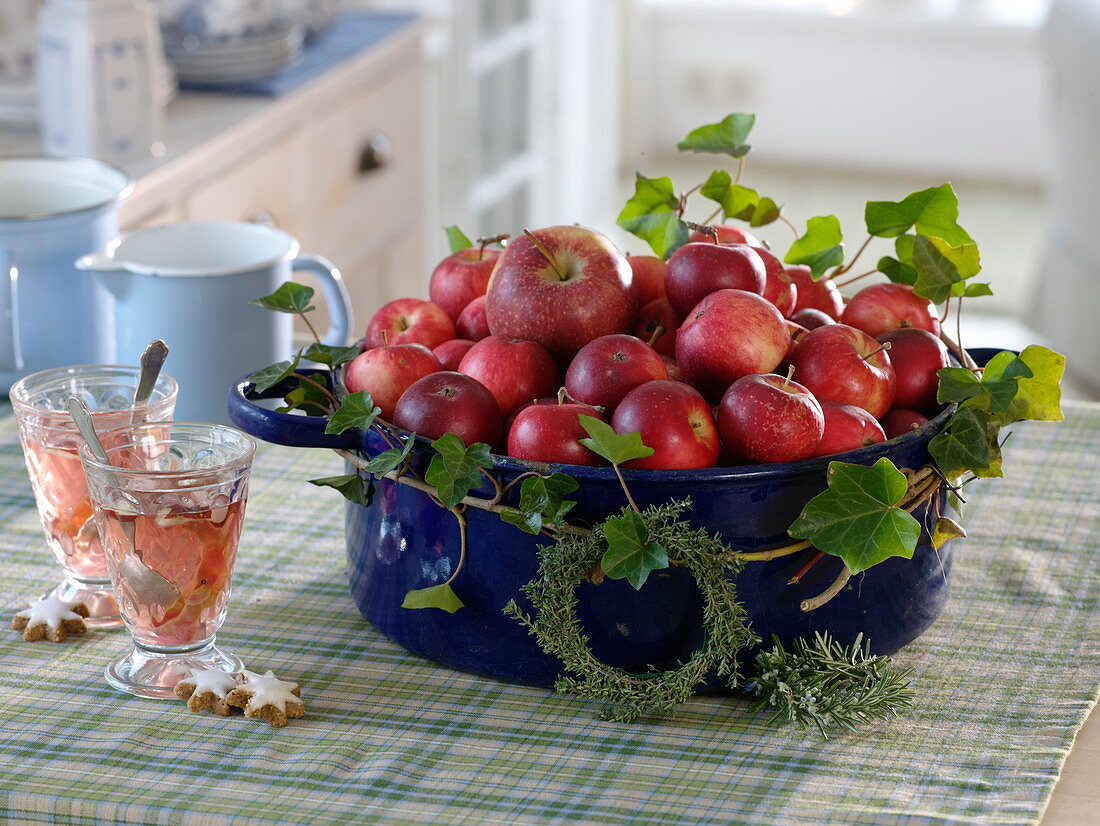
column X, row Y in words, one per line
column 895, row 86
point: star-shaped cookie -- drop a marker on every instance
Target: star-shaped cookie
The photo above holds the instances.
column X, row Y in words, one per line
column 50, row 618
column 207, row 689
column 266, row 697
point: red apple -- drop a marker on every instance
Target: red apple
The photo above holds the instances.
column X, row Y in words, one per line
column 608, row 368
column 460, row 278
column 562, row 287
column 847, row 427
column 513, row 371
column 796, row 331
column 674, row 371
column 658, row 314
column 810, row 318
column 697, row 270
column 817, row 295
column 450, row 353
column 386, row 372
column 727, row 234
column 448, row 402
column 552, row 433
column 779, row 287
column 471, row 322
column 649, row 277
column 917, row 355
column 674, row 420
column 839, row 363
column 409, row 321
column 769, row 418
column 880, row 308
column 730, row 334
column 899, row 421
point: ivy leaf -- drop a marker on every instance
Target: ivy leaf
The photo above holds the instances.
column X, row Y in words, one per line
column 957, row 384
column 541, row 501
column 933, row 211
column 268, row 377
column 972, row 290
column 330, row 355
column 457, row 239
column 390, row 459
column 652, row 214
column 1039, row 396
column 727, row 137
column 289, row 298
column 356, row 410
column 736, row 201
column 1001, row 380
column 897, row 271
column 455, row 470
column 964, row 445
column 764, row 213
column 630, row 555
column 857, row 518
column 946, row 529
column 936, row 273
column 308, row 397
column 442, row 597
column 617, row 448
column 820, row 247
column 350, row 487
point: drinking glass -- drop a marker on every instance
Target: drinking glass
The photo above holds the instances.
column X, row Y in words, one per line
column 50, row 444
column 170, row 506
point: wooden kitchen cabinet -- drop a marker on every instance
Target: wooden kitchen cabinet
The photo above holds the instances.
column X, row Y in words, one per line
column 338, row 163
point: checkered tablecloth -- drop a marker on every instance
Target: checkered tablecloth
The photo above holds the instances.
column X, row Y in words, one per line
column 1003, row 680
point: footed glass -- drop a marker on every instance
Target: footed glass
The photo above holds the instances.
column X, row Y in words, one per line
column 50, row 444
column 170, row 507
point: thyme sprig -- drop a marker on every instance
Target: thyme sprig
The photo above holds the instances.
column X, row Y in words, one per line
column 629, row 696
column 822, row 682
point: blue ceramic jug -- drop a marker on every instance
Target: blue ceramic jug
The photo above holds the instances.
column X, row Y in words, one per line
column 52, row 211
column 192, row 284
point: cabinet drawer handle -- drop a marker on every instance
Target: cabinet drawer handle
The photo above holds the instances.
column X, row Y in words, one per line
column 376, row 153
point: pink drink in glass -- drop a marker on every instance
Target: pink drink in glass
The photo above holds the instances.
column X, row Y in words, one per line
column 170, row 505
column 190, row 555
column 50, row 446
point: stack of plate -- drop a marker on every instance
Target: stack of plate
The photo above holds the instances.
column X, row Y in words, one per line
column 233, row 58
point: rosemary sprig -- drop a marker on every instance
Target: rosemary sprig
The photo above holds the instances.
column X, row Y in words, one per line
column 822, row 682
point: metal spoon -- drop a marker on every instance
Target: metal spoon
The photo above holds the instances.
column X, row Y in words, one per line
column 143, row 579
column 152, row 360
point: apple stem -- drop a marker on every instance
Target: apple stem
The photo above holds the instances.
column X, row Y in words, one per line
column 563, row 394
column 852, row 263
column 492, row 239
column 805, row 569
column 707, row 230
column 658, row 331
column 385, row 338
column 545, row 253
column 876, row 351
column 790, row 374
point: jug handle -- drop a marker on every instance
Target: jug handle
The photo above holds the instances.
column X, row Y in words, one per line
column 341, row 316
column 11, row 356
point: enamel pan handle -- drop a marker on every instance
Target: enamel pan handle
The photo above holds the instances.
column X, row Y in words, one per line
column 290, row 429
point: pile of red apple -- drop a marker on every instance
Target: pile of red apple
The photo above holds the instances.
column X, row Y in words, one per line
column 721, row 356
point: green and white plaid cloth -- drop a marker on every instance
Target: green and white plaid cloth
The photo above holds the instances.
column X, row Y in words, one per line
column 1003, row 680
